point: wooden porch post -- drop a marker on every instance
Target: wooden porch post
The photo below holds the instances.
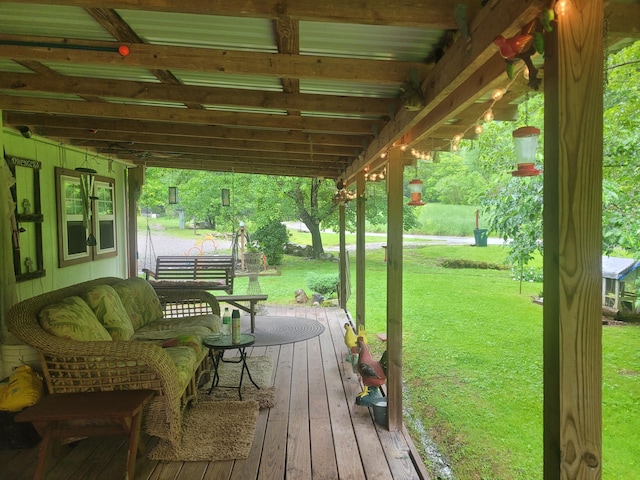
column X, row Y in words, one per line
column 573, row 243
column 361, row 188
column 135, row 180
column 343, row 257
column 394, row 288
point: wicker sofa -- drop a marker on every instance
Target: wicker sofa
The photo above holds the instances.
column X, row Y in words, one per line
column 163, row 353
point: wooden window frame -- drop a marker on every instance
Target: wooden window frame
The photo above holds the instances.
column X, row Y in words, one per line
column 103, row 210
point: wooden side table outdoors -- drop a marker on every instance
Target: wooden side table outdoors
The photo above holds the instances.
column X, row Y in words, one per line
column 118, row 412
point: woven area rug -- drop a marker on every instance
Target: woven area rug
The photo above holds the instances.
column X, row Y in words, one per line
column 212, row 431
column 276, row 330
column 220, row 426
column 261, row 369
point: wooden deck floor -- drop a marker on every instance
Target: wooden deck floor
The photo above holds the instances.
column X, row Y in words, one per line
column 314, row 431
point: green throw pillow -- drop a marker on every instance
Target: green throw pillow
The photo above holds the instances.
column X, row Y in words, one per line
column 106, row 304
column 139, row 300
column 71, row 318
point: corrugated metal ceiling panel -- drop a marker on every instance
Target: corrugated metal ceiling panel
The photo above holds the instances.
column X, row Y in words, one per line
column 268, row 111
column 185, row 29
column 150, row 103
column 112, row 72
column 49, row 21
column 353, row 89
column 345, row 116
column 51, row 96
column 226, row 80
column 7, row 65
column 367, row 41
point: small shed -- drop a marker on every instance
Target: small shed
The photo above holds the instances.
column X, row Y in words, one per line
column 619, row 290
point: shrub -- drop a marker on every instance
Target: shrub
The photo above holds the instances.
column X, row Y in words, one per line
column 324, row 284
column 272, row 237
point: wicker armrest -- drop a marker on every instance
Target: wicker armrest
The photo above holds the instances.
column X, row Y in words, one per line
column 187, row 303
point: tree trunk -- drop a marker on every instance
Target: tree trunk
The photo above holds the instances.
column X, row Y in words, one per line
column 316, row 239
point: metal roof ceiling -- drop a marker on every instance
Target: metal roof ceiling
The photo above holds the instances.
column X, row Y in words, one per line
column 202, row 78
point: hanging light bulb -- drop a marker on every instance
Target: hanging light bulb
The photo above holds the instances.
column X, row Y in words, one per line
column 488, row 116
column 454, row 147
column 428, row 156
column 498, row 93
column 478, row 129
column 457, row 138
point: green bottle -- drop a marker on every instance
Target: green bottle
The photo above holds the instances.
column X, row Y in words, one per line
column 235, row 327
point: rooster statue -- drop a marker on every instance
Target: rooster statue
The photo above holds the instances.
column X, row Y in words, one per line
column 371, row 373
column 351, row 341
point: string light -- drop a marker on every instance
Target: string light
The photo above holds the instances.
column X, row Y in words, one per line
column 487, row 116
column 561, row 7
column 498, row 93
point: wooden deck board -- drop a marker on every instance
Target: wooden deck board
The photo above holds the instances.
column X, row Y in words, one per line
column 323, row 454
column 315, row 430
column 298, row 443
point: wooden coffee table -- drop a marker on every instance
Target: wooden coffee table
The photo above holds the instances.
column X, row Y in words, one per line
column 114, row 413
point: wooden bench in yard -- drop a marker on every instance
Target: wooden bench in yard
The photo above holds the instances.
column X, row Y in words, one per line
column 251, row 299
column 214, row 272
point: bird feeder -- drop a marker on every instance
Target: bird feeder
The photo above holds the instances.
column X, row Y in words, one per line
column 526, row 142
column 173, row 195
column 415, row 187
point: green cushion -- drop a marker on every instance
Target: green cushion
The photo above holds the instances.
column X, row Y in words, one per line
column 106, row 304
column 185, row 359
column 72, row 318
column 139, row 300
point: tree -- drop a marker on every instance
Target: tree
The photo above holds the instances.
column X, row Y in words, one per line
column 621, row 161
column 313, row 200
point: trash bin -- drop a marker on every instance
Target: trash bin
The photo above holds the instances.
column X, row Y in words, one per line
column 481, row 235
column 380, row 411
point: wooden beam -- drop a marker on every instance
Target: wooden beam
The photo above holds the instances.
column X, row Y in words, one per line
column 181, row 129
column 573, row 244
column 361, row 190
column 174, row 114
column 395, row 170
column 344, row 277
column 456, row 67
column 298, row 170
column 133, row 140
column 435, row 14
column 198, row 59
column 175, row 92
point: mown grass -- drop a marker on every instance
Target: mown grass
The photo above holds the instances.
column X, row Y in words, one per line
column 450, row 220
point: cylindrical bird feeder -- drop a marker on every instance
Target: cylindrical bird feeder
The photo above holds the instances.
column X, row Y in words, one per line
column 415, row 187
column 525, row 140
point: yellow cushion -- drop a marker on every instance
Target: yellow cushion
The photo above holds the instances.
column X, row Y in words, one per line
column 139, row 300
column 106, row 304
column 72, row 318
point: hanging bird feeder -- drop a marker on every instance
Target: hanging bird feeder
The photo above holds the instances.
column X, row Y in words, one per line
column 415, row 187
column 526, row 142
column 173, row 195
